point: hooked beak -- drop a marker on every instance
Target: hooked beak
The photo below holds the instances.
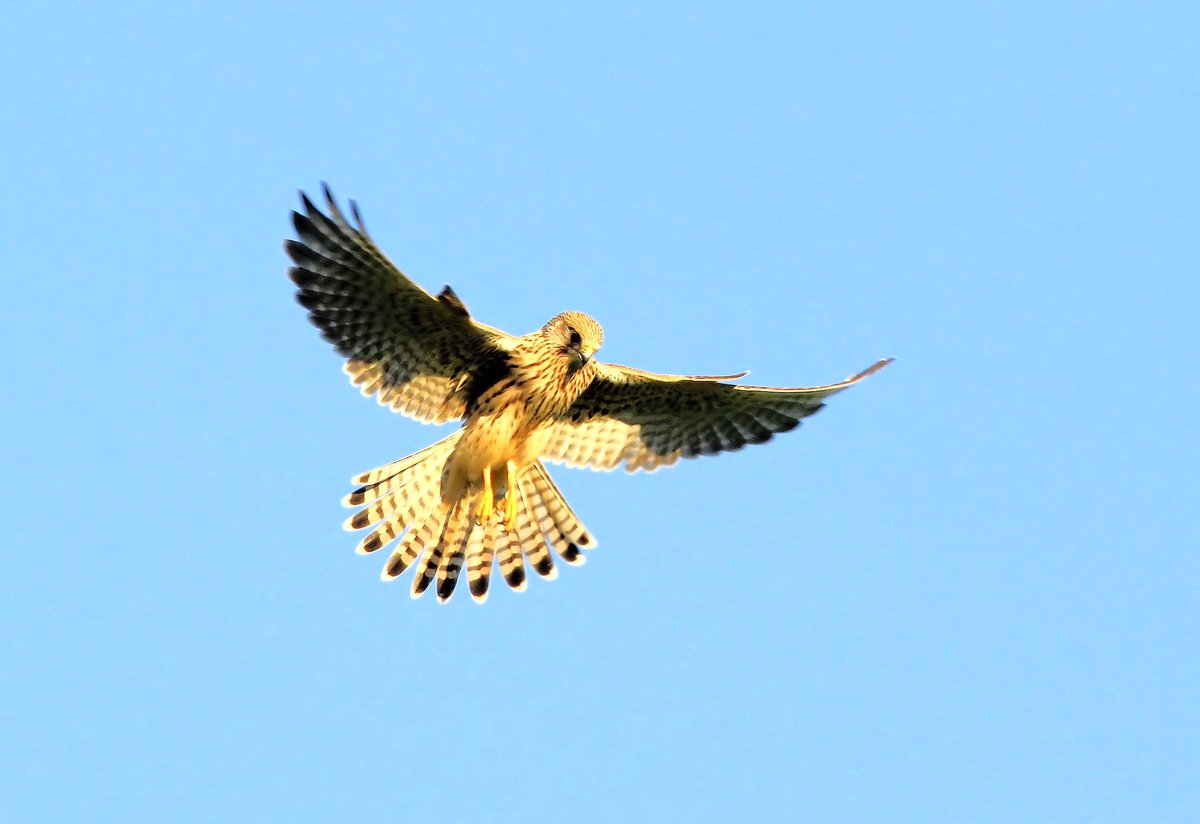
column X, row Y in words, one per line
column 578, row 358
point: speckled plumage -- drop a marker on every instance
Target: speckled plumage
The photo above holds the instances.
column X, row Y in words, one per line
column 521, row 399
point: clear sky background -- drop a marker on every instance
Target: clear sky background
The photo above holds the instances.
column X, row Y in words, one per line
column 966, row 591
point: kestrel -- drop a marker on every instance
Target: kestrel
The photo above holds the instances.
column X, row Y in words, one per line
column 483, row 493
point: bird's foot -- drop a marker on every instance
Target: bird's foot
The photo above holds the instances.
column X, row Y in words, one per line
column 510, row 497
column 487, row 498
column 510, row 511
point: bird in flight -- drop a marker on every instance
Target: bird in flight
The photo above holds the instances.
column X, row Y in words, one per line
column 482, row 494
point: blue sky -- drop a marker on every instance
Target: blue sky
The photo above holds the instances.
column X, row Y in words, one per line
column 966, row 591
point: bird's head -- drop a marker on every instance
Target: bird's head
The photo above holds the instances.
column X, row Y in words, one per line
column 575, row 335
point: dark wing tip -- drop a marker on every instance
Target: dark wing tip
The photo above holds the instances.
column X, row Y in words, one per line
column 449, row 298
column 312, row 301
column 362, row 227
column 334, row 211
column 296, row 250
column 792, row 423
column 873, row 368
column 302, row 224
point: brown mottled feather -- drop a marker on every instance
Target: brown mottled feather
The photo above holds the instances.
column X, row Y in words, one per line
column 562, row 527
column 410, row 490
column 510, row 561
column 409, row 549
column 455, row 552
column 479, row 565
column 646, row 421
column 402, row 343
column 533, row 542
column 427, row 565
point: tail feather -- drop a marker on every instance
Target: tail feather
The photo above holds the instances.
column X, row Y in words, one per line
column 401, row 503
column 508, row 556
column 455, row 551
column 550, row 529
column 404, row 517
column 378, row 489
column 414, row 482
column 426, row 568
column 558, row 521
column 388, row 470
column 529, row 533
column 479, row 564
column 420, row 534
column 438, row 538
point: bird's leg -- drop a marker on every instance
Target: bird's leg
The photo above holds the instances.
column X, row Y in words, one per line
column 487, row 498
column 510, row 497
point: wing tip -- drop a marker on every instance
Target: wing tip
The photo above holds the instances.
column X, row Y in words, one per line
column 826, row 389
column 362, row 227
column 872, row 369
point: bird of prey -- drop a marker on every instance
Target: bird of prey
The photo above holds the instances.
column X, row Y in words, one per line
column 483, row 493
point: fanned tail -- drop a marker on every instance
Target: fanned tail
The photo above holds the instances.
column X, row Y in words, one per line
column 563, row 529
column 444, row 557
column 544, row 521
column 404, row 498
column 398, row 496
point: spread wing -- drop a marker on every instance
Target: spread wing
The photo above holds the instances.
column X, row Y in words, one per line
column 414, row 350
column 646, row 420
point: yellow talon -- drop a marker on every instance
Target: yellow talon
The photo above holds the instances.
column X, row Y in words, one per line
column 510, row 497
column 487, row 497
column 510, row 511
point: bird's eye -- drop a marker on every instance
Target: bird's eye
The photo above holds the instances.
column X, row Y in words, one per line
column 574, row 340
